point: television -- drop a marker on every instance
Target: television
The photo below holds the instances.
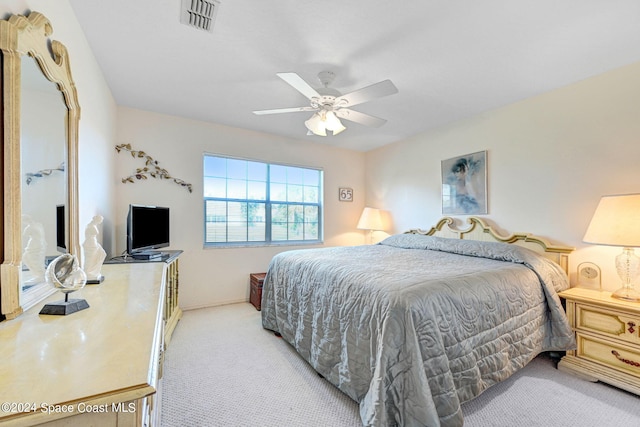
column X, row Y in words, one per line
column 147, row 230
column 61, row 233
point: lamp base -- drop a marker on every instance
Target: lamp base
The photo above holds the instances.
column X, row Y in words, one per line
column 627, row 293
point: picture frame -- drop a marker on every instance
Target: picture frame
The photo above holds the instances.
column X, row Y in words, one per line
column 345, row 194
column 464, row 184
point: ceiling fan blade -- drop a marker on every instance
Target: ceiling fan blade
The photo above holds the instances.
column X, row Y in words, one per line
column 358, row 117
column 300, row 85
column 376, row 90
column 284, row 110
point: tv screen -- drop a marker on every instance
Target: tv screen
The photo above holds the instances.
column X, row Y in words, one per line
column 61, row 234
column 147, row 228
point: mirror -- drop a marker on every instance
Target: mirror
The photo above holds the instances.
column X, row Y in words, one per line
column 43, row 184
column 40, row 154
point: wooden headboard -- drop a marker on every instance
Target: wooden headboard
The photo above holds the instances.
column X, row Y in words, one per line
column 480, row 230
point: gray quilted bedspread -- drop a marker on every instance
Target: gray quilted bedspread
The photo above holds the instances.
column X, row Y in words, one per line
column 416, row 325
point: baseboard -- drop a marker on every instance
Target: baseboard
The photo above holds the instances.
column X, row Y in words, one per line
column 198, row 307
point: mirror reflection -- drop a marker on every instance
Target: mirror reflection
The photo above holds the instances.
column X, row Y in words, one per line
column 44, row 177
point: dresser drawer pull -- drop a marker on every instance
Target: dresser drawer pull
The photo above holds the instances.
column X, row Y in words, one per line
column 627, row 361
column 631, row 325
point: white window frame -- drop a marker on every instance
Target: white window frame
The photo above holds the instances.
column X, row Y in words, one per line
column 268, row 206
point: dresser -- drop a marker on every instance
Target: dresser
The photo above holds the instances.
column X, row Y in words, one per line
column 99, row 366
column 172, row 312
column 607, row 332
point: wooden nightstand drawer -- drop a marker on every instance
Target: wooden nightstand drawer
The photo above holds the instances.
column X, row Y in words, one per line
column 614, row 355
column 611, row 323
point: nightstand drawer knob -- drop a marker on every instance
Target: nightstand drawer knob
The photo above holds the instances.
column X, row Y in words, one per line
column 631, row 325
column 622, row 359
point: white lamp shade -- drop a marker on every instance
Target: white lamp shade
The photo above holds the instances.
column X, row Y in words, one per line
column 316, row 125
column 371, row 219
column 323, row 121
column 333, row 123
column 616, row 222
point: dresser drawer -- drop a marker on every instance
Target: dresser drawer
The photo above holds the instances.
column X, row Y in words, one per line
column 622, row 358
column 610, row 323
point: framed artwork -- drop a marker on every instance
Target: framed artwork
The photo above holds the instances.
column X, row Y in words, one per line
column 464, row 184
column 345, row 194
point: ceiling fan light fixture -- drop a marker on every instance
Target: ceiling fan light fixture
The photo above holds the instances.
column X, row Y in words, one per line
column 316, row 125
column 324, row 121
column 333, row 123
column 338, row 130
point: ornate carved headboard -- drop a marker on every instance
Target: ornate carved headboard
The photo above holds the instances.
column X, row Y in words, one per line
column 480, row 230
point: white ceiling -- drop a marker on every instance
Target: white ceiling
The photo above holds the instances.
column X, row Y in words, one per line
column 450, row 59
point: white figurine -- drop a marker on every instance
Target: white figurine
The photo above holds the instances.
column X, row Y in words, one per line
column 94, row 254
column 35, row 249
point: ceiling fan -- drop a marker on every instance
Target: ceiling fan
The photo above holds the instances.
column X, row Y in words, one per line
column 330, row 105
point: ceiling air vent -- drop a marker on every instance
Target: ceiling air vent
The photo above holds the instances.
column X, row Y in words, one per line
column 199, row 13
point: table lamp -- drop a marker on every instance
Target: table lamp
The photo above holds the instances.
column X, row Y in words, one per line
column 371, row 220
column 616, row 222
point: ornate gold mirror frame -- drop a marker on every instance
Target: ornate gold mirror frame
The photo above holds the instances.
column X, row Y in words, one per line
column 29, row 36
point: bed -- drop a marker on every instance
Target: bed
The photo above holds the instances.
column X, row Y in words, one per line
column 423, row 321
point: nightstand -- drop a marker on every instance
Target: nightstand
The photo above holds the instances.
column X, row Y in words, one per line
column 607, row 332
column 255, row 294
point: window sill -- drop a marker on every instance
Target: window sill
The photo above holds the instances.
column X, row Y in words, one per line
column 245, row 245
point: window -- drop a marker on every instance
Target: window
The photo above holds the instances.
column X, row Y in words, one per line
column 249, row 202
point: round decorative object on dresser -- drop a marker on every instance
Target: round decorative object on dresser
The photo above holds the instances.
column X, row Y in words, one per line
column 65, row 274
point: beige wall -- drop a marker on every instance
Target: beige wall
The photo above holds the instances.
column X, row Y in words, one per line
column 550, row 159
column 219, row 276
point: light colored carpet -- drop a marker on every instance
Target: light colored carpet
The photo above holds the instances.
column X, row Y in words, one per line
column 223, row 369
